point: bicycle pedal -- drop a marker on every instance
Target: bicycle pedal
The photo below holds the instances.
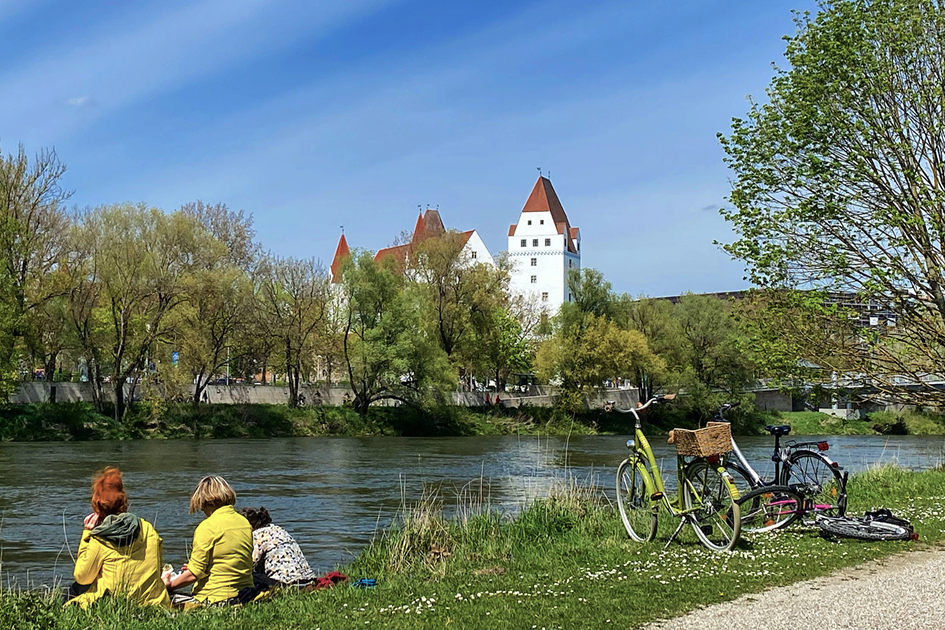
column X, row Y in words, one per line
column 656, row 496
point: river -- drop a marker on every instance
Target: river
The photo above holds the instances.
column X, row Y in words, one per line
column 332, row 494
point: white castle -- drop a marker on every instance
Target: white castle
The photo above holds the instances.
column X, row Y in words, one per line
column 543, row 248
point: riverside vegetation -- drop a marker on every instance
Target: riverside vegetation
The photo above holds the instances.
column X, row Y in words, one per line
column 563, row 562
column 158, row 420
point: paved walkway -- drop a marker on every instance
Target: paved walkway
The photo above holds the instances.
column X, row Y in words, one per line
column 902, row 592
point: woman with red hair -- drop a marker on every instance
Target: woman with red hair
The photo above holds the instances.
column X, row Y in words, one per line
column 119, row 553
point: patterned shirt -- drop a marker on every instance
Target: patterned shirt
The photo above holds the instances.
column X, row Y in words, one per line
column 276, row 554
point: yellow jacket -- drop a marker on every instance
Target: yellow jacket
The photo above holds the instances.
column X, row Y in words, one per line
column 132, row 569
column 222, row 555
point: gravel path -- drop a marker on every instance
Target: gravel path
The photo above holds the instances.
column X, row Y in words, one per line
column 903, row 592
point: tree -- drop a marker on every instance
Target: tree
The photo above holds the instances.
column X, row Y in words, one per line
column 386, row 353
column 712, row 357
column 459, row 294
column 583, row 362
column 839, row 182
column 591, row 294
column 33, row 228
column 654, row 318
column 503, row 346
column 294, row 297
column 141, row 257
column 217, row 293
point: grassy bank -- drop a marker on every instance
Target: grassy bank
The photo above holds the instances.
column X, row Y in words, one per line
column 79, row 421
column 564, row 562
column 876, row 423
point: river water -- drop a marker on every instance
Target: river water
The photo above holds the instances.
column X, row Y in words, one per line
column 332, row 494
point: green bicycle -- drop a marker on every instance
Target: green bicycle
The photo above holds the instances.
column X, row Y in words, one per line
column 707, row 498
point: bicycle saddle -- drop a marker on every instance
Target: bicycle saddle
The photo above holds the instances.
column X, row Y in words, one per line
column 781, row 429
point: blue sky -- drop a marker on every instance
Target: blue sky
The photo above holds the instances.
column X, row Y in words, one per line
column 313, row 115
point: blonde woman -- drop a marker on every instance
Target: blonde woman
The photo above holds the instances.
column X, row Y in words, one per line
column 221, row 561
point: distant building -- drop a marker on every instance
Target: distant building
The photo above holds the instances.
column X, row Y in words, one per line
column 543, row 248
column 429, row 225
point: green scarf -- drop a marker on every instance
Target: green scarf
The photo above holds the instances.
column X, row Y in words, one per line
column 119, row 529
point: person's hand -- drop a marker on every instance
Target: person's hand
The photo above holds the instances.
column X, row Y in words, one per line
column 91, row 521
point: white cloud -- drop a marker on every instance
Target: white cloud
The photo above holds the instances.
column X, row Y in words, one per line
column 79, row 101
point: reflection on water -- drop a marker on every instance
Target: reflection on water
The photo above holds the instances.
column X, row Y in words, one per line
column 331, row 493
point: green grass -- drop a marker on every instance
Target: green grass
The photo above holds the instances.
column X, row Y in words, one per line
column 154, row 420
column 564, row 562
column 875, row 423
column 147, row 420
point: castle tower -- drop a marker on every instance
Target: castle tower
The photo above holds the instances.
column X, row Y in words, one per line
column 543, row 248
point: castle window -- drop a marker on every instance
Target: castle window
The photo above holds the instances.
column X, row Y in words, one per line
column 544, row 296
column 534, row 262
column 547, row 242
column 578, row 246
column 524, row 242
column 542, row 222
column 569, row 261
column 534, row 279
column 534, row 242
column 529, row 221
column 473, row 254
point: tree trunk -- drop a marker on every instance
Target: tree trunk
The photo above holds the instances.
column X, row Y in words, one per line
column 50, row 366
column 119, row 386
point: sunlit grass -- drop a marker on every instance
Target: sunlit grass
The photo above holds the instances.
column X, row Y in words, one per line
column 563, row 562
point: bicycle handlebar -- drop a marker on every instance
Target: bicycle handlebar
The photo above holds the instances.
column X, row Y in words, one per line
column 612, row 404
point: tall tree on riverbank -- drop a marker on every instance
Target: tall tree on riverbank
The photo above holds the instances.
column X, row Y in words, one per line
column 33, row 229
column 839, row 183
column 294, row 297
column 141, row 256
column 218, row 294
column 387, row 356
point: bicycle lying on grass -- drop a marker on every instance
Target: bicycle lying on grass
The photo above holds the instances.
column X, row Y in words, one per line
column 707, row 498
column 806, row 482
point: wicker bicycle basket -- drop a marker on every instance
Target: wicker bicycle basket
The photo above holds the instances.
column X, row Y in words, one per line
column 712, row 440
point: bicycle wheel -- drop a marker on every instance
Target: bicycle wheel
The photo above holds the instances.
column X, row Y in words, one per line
column 717, row 517
column 769, row 508
column 842, row 527
column 819, row 482
column 634, row 501
column 740, row 477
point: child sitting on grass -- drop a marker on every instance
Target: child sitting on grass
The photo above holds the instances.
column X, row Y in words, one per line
column 277, row 558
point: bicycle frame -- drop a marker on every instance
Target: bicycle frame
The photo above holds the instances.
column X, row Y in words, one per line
column 780, row 456
column 646, row 463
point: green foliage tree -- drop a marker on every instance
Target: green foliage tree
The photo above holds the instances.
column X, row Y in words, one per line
column 140, row 257
column 839, row 183
column 654, row 318
column 386, row 355
column 583, row 362
column 33, row 229
column 218, row 294
column 714, row 366
column 502, row 346
column 294, row 298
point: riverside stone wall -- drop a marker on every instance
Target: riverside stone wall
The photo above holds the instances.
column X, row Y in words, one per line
column 42, row 392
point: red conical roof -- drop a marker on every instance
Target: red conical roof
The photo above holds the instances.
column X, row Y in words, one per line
column 341, row 252
column 544, row 199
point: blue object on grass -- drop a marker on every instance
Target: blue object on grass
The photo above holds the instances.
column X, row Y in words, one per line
column 365, row 583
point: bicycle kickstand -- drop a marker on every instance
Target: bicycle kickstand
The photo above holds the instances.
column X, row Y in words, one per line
column 682, row 523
